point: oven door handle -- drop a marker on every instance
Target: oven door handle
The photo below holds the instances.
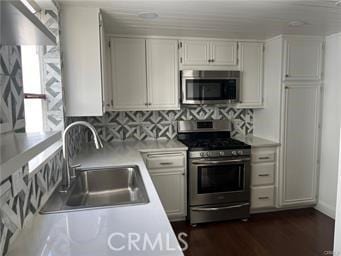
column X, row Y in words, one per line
column 221, row 161
column 201, row 209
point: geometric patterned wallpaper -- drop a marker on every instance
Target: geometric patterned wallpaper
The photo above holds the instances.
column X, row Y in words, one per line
column 22, row 196
column 11, row 89
column 51, row 72
column 145, row 125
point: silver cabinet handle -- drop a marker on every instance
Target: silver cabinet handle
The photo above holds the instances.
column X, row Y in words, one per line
column 201, row 209
column 166, row 163
column 146, row 104
column 263, row 157
column 212, row 60
column 286, row 75
column 263, row 175
column 263, row 197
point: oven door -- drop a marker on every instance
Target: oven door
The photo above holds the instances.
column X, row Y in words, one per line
column 213, row 181
column 210, row 91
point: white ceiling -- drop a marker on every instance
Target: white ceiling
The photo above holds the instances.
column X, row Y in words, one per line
column 229, row 19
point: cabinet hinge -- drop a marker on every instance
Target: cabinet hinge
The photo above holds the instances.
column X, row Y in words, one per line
column 180, row 59
column 237, row 46
column 109, row 44
column 180, row 45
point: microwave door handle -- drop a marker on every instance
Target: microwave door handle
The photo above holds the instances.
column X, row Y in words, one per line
column 221, row 161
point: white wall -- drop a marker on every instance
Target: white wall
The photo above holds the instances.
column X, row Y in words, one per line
column 337, row 233
column 330, row 133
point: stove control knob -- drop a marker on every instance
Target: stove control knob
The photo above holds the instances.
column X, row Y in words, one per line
column 221, row 153
column 234, row 153
column 240, row 152
column 202, row 154
column 207, row 154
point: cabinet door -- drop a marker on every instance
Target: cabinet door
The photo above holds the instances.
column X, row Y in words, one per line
column 195, row 52
column 300, row 144
column 251, row 67
column 82, row 74
column 129, row 73
column 106, row 69
column 303, row 59
column 223, row 53
column 162, row 74
column 171, row 189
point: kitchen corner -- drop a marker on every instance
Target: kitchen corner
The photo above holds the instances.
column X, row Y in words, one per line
column 102, row 231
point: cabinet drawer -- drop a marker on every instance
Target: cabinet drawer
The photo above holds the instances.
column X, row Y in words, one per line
column 260, row 157
column 262, row 197
column 262, row 174
column 167, row 160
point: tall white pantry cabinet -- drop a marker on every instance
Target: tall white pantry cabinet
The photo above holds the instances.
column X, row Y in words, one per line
column 293, row 84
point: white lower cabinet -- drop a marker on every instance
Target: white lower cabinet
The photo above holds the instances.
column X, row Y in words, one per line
column 262, row 197
column 263, row 172
column 168, row 173
column 300, row 149
column 169, row 186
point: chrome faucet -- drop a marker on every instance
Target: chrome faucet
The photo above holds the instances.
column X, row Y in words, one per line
column 98, row 143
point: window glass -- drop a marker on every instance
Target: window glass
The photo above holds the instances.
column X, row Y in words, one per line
column 32, row 82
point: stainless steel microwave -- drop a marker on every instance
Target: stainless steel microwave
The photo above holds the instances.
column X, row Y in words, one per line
column 210, row 87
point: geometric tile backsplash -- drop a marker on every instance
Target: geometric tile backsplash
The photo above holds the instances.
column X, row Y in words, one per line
column 51, row 74
column 11, row 89
column 22, row 195
column 146, row 125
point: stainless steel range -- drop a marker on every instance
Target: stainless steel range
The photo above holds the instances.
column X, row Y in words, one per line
column 219, row 171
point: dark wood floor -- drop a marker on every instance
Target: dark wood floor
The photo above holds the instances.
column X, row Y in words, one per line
column 297, row 232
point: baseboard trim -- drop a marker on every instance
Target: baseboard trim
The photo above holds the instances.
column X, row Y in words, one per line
column 326, row 209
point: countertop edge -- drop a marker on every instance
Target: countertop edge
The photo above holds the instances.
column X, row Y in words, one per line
column 257, row 142
column 20, row 159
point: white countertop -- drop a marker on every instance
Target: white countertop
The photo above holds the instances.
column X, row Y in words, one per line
column 18, row 148
column 255, row 141
column 84, row 233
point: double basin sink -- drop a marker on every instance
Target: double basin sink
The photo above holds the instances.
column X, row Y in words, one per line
column 100, row 188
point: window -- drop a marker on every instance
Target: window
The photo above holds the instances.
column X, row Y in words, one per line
column 33, row 89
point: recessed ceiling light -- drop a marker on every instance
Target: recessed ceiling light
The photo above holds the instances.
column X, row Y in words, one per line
column 296, row 23
column 148, row 15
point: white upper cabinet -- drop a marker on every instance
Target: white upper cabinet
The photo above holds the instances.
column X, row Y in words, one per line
column 144, row 74
column 251, row 67
column 195, row 52
column 303, row 58
column 106, row 70
column 128, row 62
column 207, row 54
column 162, row 74
column 223, row 53
column 82, row 70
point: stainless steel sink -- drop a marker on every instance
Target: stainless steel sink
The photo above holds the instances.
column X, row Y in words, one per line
column 100, row 187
